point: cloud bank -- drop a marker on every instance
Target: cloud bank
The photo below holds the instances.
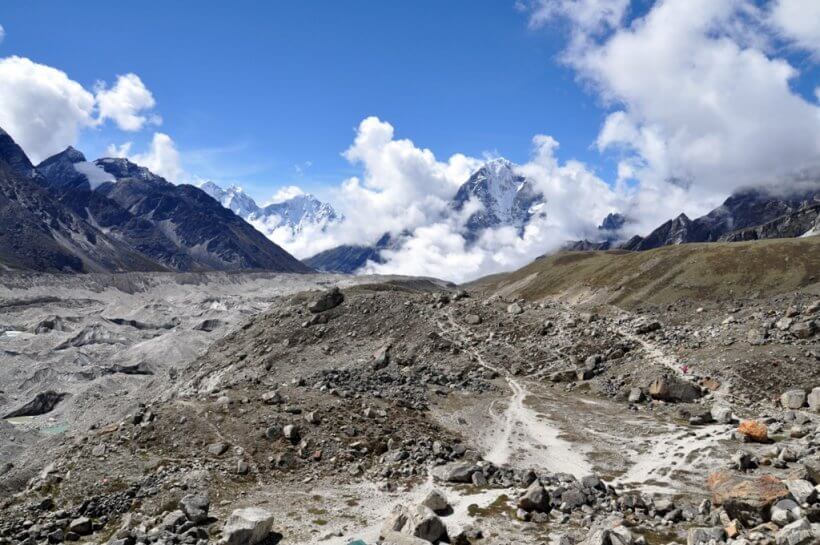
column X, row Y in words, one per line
column 700, row 101
column 44, row 110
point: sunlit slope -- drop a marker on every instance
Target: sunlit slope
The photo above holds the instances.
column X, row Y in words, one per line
column 709, row 271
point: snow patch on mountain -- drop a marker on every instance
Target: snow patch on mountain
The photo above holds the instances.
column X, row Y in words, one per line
column 95, row 175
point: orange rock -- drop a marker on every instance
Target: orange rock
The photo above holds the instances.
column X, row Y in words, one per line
column 754, row 430
column 711, row 384
column 733, row 529
column 747, row 499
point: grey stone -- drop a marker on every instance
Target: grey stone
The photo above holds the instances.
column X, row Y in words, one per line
column 326, row 301
column 436, row 501
column 814, row 399
column 461, row 472
column 420, row 522
column 535, row 498
column 793, row 399
column 195, row 507
column 635, row 395
column 81, row 526
column 797, row 533
column 696, row 536
column 721, row 414
column 803, row 330
column 247, row 526
column 472, row 319
column 785, row 511
column 217, row 449
column 803, row 491
column 674, row 389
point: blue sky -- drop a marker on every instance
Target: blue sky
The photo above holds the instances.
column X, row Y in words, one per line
column 659, row 106
column 251, row 90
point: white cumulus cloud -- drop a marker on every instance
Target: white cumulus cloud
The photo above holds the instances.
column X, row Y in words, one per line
column 41, row 107
column 798, row 21
column 44, row 110
column 285, row 193
column 699, row 104
column 162, row 157
column 127, row 103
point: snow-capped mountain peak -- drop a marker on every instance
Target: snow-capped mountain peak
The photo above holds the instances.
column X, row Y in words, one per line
column 294, row 214
column 301, row 211
column 506, row 197
column 233, row 198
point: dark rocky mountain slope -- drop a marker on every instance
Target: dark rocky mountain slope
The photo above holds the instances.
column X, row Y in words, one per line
column 740, row 217
column 38, row 232
column 178, row 226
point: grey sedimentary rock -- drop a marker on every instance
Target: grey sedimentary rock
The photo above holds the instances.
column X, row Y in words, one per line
column 247, row 526
column 332, row 298
column 195, row 507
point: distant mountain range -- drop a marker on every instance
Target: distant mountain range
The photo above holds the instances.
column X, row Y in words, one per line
column 506, row 199
column 749, row 214
column 295, row 214
column 746, row 215
column 69, row 214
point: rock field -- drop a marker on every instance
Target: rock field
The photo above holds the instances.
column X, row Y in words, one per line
column 246, row 409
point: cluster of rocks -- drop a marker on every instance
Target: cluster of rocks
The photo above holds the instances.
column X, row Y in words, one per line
column 408, row 386
column 190, row 524
column 40, row 520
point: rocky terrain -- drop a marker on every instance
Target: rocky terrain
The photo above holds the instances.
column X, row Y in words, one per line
column 276, row 409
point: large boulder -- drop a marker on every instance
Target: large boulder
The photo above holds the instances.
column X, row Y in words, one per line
column 420, row 522
column 721, row 414
column 798, row 532
column 802, row 491
column 754, row 430
column 81, row 526
column 812, row 467
column 793, row 399
column 437, row 502
column 42, row 403
column 814, row 399
column 459, row 472
column 535, row 498
column 329, row 299
column 247, row 526
column 747, row 499
column 674, row 389
column 785, row 511
column 195, row 507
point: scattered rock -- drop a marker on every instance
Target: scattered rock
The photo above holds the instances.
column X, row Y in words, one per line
column 195, row 507
column 247, row 526
column 332, row 298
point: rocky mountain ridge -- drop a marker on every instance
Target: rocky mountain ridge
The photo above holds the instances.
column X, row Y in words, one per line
column 745, row 215
column 69, row 214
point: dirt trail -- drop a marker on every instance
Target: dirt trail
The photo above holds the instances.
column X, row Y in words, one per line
column 542, row 427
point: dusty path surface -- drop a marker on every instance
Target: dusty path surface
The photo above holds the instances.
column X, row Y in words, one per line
column 571, row 433
column 536, row 426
